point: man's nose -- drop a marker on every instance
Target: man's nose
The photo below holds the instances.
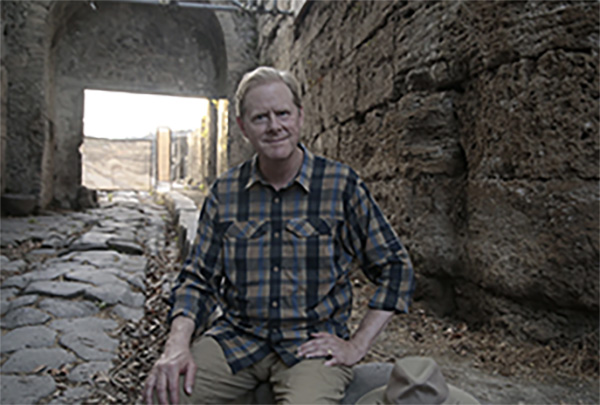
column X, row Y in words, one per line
column 274, row 123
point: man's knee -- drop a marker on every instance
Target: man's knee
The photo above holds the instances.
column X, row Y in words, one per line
column 214, row 381
column 311, row 382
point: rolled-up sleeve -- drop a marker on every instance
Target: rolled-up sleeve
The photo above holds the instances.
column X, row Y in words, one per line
column 193, row 295
column 382, row 256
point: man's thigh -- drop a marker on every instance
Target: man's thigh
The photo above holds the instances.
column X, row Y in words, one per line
column 310, row 382
column 214, row 382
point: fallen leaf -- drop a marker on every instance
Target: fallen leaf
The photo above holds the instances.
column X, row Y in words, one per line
column 39, row 369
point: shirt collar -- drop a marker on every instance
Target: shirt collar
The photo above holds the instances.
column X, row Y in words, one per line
column 302, row 178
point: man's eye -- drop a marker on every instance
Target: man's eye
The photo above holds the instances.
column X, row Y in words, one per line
column 259, row 118
column 283, row 113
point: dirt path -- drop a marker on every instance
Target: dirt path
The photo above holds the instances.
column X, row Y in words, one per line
column 493, row 367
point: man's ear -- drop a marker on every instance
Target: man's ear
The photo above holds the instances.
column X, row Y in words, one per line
column 240, row 123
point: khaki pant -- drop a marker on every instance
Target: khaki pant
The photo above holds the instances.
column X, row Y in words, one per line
column 308, row 382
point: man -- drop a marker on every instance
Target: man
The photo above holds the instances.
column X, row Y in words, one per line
column 276, row 239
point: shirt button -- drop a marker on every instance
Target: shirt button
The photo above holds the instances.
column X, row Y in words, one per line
column 275, row 269
column 274, row 304
column 276, row 200
column 276, row 235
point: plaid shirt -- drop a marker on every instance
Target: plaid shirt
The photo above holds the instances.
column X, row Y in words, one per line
column 277, row 263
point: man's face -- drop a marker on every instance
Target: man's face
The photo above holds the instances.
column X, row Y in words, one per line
column 271, row 121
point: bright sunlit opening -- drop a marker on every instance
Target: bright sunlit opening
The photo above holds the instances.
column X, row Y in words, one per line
column 119, row 115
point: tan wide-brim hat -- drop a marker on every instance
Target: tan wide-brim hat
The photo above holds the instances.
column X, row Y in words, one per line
column 417, row 380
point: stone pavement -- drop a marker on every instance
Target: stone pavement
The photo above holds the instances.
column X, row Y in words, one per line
column 63, row 302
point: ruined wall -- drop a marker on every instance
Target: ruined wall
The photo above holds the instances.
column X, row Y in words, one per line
column 241, row 37
column 117, row 164
column 475, row 125
column 53, row 50
column 24, row 59
column 3, row 103
column 130, row 47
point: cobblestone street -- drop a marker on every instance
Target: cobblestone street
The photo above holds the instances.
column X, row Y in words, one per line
column 70, row 281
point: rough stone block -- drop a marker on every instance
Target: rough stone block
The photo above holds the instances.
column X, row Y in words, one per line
column 68, row 309
column 90, row 345
column 65, row 289
column 28, row 337
column 27, row 360
column 25, row 389
column 86, row 371
column 23, row 316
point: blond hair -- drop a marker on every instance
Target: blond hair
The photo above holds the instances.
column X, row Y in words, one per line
column 264, row 75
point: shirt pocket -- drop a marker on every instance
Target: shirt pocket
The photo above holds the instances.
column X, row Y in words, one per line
column 310, row 268
column 245, row 246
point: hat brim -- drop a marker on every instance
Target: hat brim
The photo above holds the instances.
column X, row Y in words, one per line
column 456, row 396
column 460, row 397
column 375, row 396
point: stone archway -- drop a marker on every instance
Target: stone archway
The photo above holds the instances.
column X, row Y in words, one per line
column 124, row 47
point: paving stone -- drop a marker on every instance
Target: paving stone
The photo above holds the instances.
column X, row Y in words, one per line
column 95, row 276
column 65, row 289
column 24, row 300
column 12, row 237
column 83, row 324
column 68, row 309
column 27, row 337
column 23, row 316
column 51, row 271
column 91, row 240
column 76, row 395
column 41, row 254
column 136, row 280
column 128, row 313
column 125, row 234
column 86, row 371
column 25, row 389
column 4, row 261
column 12, row 267
column 114, row 294
column 99, row 259
column 83, row 218
column 125, row 214
column 54, row 241
column 4, row 306
column 90, row 345
column 19, row 282
column 27, row 360
column 8, row 293
column 125, row 246
column 108, row 226
column 134, row 264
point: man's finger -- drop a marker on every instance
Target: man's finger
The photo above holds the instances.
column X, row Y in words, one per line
column 161, row 389
column 189, row 379
column 173, row 386
column 149, row 388
column 308, row 347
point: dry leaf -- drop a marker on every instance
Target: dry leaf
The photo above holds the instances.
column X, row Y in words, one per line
column 39, row 369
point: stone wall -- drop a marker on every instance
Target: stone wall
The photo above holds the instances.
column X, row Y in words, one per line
column 53, row 50
column 25, row 57
column 117, row 164
column 475, row 125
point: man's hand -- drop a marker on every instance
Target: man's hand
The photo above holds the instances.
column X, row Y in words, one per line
column 175, row 360
column 337, row 351
column 347, row 352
